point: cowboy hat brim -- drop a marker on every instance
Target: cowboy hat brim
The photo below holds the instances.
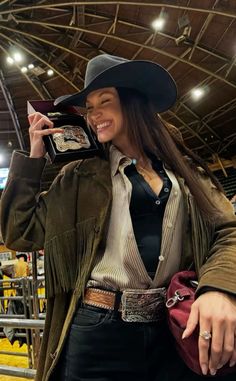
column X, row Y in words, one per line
column 147, row 77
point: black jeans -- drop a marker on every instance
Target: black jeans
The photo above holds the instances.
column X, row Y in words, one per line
column 102, row 347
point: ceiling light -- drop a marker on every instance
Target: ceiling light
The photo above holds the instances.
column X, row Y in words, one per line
column 37, row 70
column 17, row 57
column 197, row 93
column 10, row 60
column 159, row 23
column 183, row 21
column 50, row 72
column 180, row 39
column 24, row 69
column 1, row 158
column 31, row 66
column 184, row 36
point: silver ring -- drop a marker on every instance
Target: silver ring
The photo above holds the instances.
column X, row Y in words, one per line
column 206, row 335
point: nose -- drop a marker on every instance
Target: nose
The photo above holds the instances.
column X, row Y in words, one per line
column 95, row 114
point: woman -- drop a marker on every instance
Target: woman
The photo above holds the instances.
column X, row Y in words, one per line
column 115, row 229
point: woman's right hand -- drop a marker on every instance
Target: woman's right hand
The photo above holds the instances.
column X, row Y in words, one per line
column 40, row 126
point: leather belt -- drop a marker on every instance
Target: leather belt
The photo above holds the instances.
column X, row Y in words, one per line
column 102, row 298
column 134, row 305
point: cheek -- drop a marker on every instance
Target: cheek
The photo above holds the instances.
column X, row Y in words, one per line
column 120, row 121
column 92, row 128
column 117, row 111
column 90, row 124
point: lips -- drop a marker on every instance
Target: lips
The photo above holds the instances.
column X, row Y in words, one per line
column 102, row 126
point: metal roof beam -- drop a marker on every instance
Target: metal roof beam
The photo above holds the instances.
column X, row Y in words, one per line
column 202, row 122
column 193, row 132
column 227, row 142
column 41, row 60
column 29, row 35
column 125, row 40
column 57, row 6
column 8, row 132
column 220, row 111
column 201, row 33
column 12, row 111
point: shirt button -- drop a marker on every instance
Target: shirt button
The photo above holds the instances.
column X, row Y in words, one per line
column 175, row 193
column 169, row 225
column 166, row 190
column 96, row 229
column 161, row 258
column 157, row 202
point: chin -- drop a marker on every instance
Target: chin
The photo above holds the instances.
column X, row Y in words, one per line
column 102, row 139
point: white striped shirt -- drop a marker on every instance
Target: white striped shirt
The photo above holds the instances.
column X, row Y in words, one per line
column 120, row 266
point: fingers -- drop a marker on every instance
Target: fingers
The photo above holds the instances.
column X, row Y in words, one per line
column 232, row 361
column 203, row 343
column 225, row 349
column 38, row 121
column 32, row 116
column 219, row 348
column 47, row 131
column 192, row 321
column 40, row 126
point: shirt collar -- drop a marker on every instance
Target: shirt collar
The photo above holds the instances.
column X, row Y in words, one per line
column 116, row 159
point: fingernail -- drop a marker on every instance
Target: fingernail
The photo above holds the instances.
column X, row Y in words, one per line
column 204, row 369
column 213, row 372
column 232, row 363
column 219, row 366
column 184, row 335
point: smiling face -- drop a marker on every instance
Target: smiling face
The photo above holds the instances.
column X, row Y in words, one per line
column 105, row 117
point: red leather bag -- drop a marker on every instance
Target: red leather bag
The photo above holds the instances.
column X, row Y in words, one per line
column 179, row 298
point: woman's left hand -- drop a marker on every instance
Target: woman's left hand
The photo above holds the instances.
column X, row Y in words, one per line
column 215, row 312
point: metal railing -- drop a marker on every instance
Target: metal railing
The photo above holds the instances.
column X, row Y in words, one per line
column 30, row 320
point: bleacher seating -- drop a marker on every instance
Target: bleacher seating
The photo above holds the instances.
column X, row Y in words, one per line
column 228, row 183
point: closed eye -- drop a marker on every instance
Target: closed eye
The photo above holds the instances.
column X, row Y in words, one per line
column 90, row 108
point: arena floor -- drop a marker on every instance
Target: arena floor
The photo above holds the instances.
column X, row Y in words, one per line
column 19, row 361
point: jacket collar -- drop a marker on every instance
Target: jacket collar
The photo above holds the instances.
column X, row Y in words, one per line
column 117, row 159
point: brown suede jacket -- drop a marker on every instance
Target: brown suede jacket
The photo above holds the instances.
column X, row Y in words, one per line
column 69, row 222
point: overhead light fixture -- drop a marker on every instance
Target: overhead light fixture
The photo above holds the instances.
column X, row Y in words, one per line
column 183, row 21
column 158, row 24
column 160, row 21
column 10, row 60
column 197, row 93
column 31, row 66
column 50, row 72
column 37, row 70
column 24, row 69
column 17, row 56
column 184, row 36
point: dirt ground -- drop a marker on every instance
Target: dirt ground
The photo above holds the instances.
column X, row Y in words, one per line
column 10, row 360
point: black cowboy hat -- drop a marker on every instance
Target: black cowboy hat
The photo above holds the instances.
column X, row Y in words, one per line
column 147, row 77
column 21, row 254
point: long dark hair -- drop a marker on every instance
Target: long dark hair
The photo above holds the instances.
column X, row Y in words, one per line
column 150, row 134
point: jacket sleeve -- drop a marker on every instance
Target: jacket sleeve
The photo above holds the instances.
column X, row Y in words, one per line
column 219, row 271
column 23, row 208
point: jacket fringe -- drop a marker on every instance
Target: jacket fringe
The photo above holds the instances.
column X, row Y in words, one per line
column 65, row 263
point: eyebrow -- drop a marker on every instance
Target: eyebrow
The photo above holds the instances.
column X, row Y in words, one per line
column 102, row 93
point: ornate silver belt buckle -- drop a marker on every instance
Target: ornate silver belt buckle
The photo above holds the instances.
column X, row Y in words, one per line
column 143, row 306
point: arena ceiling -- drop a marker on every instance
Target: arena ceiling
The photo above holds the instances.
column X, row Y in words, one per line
column 195, row 40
